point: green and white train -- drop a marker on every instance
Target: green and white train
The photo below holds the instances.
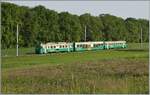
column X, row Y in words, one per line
column 78, row 46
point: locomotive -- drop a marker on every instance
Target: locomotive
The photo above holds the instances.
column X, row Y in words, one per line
column 78, row 46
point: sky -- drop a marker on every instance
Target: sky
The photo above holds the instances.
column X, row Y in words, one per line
column 124, row 9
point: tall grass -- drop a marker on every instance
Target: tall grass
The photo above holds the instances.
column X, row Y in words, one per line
column 104, row 71
column 117, row 76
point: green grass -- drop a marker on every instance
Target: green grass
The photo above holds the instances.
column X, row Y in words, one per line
column 22, row 51
column 103, row 71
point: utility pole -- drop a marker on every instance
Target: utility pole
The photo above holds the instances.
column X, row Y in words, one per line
column 141, row 37
column 85, row 34
column 17, row 42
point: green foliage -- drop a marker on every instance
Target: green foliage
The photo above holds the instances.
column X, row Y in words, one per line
column 94, row 27
column 39, row 24
column 114, row 28
column 70, row 27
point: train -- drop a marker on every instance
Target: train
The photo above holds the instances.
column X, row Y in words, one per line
column 78, row 46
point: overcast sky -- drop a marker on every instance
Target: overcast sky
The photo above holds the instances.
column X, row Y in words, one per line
column 124, row 9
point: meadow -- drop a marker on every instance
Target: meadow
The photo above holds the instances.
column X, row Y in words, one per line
column 103, row 71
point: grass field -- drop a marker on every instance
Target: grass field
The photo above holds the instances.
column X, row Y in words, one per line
column 103, row 71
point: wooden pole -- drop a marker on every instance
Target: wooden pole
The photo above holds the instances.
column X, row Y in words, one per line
column 17, row 42
column 141, row 37
column 85, row 34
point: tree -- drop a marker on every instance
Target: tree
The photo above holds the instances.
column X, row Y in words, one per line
column 85, row 21
column 10, row 19
column 70, row 27
column 132, row 26
column 144, row 25
column 114, row 27
column 40, row 24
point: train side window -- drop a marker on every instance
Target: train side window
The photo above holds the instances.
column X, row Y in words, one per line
column 79, row 45
column 88, row 46
column 83, row 46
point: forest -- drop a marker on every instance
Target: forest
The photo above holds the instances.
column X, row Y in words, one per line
column 41, row 25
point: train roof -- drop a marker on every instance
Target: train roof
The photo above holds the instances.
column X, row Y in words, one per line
column 115, row 41
column 55, row 43
column 88, row 42
column 65, row 43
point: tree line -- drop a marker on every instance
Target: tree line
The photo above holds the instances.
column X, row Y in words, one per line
column 40, row 24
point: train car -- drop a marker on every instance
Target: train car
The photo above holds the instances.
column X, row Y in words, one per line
column 98, row 45
column 115, row 44
column 54, row 47
column 78, row 46
column 82, row 46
